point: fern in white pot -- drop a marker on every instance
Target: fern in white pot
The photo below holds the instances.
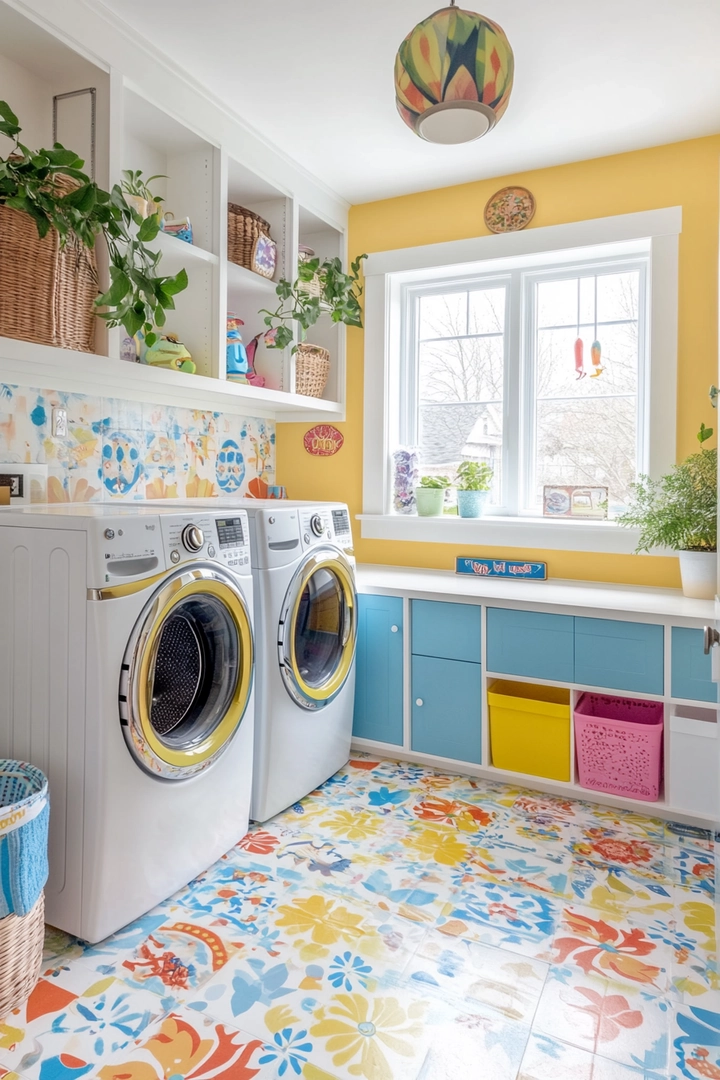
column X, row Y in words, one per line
column 679, row 511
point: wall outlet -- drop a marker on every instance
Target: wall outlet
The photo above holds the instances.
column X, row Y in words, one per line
column 59, row 423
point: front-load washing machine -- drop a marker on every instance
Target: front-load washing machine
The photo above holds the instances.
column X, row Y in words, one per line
column 126, row 675
column 306, row 627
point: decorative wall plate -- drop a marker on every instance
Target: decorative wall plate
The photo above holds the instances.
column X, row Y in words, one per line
column 323, row 440
column 510, row 209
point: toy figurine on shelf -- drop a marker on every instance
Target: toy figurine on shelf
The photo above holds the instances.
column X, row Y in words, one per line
column 236, row 360
column 169, row 352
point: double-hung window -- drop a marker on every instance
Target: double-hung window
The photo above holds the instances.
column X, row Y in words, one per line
column 549, row 355
column 538, row 372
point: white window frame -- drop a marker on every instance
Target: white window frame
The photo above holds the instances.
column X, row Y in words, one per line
column 654, row 233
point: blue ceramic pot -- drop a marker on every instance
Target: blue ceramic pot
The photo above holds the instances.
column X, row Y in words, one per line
column 471, row 503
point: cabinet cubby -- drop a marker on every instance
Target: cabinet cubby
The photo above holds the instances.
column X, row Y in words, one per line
column 450, row 728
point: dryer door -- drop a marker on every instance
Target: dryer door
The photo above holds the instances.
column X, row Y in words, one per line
column 187, row 673
column 318, row 629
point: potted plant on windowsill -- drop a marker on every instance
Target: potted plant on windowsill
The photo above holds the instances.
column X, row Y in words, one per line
column 473, row 486
column 430, row 495
column 679, row 511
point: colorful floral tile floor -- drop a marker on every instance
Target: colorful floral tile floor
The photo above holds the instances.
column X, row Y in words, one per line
column 400, row 924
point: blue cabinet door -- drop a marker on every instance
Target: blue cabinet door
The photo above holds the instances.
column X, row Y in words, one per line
column 446, row 630
column 379, row 670
column 530, row 643
column 447, row 708
column 691, row 668
column 619, row 655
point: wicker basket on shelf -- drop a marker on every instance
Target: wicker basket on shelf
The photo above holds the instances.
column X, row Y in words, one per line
column 312, row 367
column 314, row 286
column 244, row 227
column 21, row 953
column 47, row 293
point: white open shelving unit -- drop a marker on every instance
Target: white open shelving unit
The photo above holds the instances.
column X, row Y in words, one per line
column 149, row 118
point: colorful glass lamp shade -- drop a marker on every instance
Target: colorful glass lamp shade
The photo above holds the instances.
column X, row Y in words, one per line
column 453, row 76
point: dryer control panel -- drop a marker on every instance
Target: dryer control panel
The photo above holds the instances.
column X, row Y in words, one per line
column 320, row 524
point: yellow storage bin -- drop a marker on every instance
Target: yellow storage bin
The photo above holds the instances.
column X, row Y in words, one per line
column 530, row 729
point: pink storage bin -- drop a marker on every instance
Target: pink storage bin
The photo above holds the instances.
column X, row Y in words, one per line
column 619, row 745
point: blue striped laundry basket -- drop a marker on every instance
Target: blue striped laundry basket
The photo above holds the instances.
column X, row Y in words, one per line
column 24, row 816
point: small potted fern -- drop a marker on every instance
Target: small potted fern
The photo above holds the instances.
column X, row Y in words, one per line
column 679, row 511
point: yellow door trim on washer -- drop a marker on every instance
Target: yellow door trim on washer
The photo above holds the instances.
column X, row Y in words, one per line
column 115, row 592
column 340, row 674
column 217, row 738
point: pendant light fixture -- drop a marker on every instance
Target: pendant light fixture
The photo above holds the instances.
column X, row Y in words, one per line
column 453, row 76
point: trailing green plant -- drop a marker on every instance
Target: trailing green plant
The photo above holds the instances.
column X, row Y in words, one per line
column 474, row 476
column 436, row 483
column 31, row 182
column 133, row 184
column 679, row 511
column 339, row 297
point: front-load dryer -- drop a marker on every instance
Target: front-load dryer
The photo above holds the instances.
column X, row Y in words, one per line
column 127, row 669
column 306, row 627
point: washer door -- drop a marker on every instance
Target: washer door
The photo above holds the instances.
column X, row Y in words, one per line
column 318, row 629
column 187, row 673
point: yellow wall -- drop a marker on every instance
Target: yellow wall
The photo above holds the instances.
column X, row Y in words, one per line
column 685, row 174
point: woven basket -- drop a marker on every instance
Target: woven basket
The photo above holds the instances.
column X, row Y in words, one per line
column 46, row 293
column 313, row 287
column 21, row 953
column 244, row 227
column 312, row 367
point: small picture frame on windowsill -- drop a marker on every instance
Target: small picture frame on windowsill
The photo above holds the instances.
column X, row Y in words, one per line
column 575, row 501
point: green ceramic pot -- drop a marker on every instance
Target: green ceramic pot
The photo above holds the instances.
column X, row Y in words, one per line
column 429, row 501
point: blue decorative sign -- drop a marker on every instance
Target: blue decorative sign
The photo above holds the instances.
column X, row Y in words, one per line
column 502, row 568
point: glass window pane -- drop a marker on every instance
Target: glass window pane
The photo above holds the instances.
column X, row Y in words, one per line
column 487, row 312
column 443, row 315
column 587, row 442
column 557, row 303
column 617, row 296
column 450, row 434
column 470, row 369
column 558, row 376
column 587, row 300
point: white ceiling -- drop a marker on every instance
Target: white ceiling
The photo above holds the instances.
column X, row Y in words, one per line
column 593, row 77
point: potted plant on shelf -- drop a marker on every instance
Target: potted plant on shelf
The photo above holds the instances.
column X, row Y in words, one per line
column 430, row 495
column 473, row 486
column 679, row 511
column 51, row 214
column 334, row 293
column 137, row 192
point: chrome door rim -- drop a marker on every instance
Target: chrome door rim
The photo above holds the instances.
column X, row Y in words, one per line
column 195, row 581
column 325, row 557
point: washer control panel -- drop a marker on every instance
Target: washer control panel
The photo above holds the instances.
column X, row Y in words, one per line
column 320, row 524
column 232, row 540
column 217, row 537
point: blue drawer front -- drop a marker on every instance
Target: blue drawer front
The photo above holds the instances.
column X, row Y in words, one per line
column 619, row 655
column 530, row 643
column 448, row 723
column 691, row 668
column 379, row 670
column 446, row 630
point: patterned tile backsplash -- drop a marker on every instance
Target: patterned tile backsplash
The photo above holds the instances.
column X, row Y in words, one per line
column 128, row 450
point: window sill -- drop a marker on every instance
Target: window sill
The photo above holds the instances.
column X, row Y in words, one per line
column 527, row 533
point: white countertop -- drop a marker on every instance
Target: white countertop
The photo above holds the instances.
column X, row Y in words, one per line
column 589, row 595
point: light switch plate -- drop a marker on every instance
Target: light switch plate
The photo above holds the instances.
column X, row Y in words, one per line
column 59, row 423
